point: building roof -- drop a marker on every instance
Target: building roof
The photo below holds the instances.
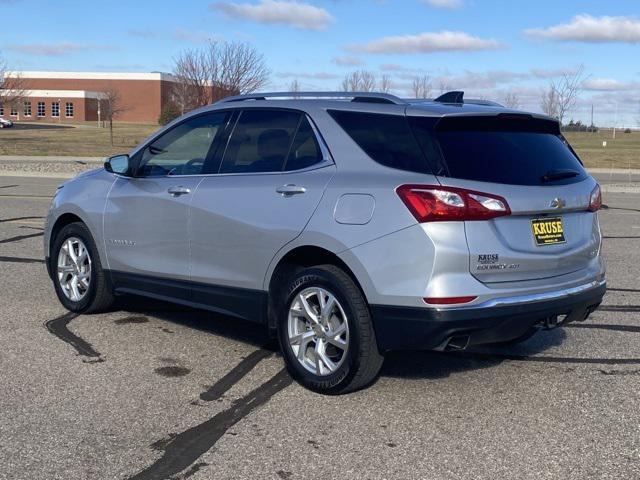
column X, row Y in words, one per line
column 94, row 75
column 61, row 94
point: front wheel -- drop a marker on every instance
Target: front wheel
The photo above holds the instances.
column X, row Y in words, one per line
column 78, row 277
column 325, row 332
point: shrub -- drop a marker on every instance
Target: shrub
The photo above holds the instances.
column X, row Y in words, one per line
column 168, row 113
column 628, row 130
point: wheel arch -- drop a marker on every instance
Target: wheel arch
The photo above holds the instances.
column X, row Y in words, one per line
column 61, row 222
column 298, row 258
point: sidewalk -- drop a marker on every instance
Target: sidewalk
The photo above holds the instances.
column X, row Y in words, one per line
column 50, row 166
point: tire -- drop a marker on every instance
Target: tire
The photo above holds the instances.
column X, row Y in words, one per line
column 357, row 362
column 98, row 296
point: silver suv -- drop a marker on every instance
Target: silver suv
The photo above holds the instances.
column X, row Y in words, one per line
column 349, row 224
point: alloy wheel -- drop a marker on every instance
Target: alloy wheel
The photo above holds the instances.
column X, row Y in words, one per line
column 74, row 269
column 318, row 331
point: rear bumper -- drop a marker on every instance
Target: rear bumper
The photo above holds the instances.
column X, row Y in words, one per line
column 499, row 320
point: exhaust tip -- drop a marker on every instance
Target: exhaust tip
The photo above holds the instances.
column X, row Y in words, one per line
column 459, row 342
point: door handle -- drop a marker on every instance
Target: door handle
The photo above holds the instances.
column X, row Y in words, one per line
column 290, row 189
column 179, row 190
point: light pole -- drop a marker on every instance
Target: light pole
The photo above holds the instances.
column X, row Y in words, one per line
column 99, row 102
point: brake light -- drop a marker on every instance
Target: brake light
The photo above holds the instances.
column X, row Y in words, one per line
column 448, row 300
column 595, row 199
column 435, row 203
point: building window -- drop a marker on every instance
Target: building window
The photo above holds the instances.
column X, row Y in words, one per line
column 55, row 109
column 68, row 110
column 1, row 110
column 27, row 109
column 41, row 112
column 14, row 110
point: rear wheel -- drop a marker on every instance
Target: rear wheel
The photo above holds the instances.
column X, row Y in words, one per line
column 77, row 273
column 326, row 333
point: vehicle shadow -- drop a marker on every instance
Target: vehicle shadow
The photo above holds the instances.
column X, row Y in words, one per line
column 201, row 320
column 434, row 365
column 409, row 364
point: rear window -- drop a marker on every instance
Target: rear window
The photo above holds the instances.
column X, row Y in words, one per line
column 387, row 139
column 516, row 150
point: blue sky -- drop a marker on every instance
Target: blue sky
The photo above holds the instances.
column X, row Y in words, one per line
column 488, row 48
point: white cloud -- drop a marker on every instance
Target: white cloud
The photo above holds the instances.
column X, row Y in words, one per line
column 287, row 12
column 347, row 61
column 142, row 33
column 445, row 41
column 553, row 72
column 586, row 28
column 316, row 75
column 609, row 85
column 450, row 4
column 195, row 36
column 55, row 49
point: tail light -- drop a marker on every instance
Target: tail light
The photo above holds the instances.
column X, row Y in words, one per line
column 595, row 199
column 435, row 203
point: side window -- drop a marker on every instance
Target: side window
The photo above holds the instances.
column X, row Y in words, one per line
column 260, row 141
column 183, row 150
column 387, row 139
column 305, row 150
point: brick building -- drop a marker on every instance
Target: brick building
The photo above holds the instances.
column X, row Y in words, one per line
column 75, row 96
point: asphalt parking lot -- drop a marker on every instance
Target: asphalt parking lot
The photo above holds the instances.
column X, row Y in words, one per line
column 153, row 391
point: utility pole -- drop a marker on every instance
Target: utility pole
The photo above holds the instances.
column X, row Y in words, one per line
column 591, row 126
column 615, row 122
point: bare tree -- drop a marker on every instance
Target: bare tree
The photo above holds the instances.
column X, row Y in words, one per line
column 112, row 106
column 215, row 71
column 359, row 81
column 562, row 95
column 421, row 86
column 190, row 80
column 512, row 100
column 294, row 86
column 444, row 86
column 549, row 102
column 235, row 67
column 385, row 83
column 13, row 87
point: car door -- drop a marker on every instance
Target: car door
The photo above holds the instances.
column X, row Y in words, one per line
column 146, row 218
column 268, row 184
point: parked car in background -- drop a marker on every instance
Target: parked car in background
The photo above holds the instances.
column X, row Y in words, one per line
column 5, row 123
column 350, row 224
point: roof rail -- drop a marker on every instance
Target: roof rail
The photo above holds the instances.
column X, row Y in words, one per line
column 486, row 103
column 368, row 97
column 457, row 98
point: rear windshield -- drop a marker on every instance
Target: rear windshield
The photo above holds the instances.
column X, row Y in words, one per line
column 516, row 150
column 387, row 139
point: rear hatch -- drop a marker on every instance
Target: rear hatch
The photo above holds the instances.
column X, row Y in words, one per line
column 524, row 160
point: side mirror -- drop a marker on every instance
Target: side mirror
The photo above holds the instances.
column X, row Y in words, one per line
column 118, row 164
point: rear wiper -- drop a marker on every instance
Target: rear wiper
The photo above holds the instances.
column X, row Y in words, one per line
column 552, row 175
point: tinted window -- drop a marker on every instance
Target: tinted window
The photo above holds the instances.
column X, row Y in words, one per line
column 387, row 139
column 305, row 150
column 183, row 149
column 260, row 141
column 510, row 151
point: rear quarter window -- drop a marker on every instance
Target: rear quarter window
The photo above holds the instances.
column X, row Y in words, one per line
column 387, row 139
